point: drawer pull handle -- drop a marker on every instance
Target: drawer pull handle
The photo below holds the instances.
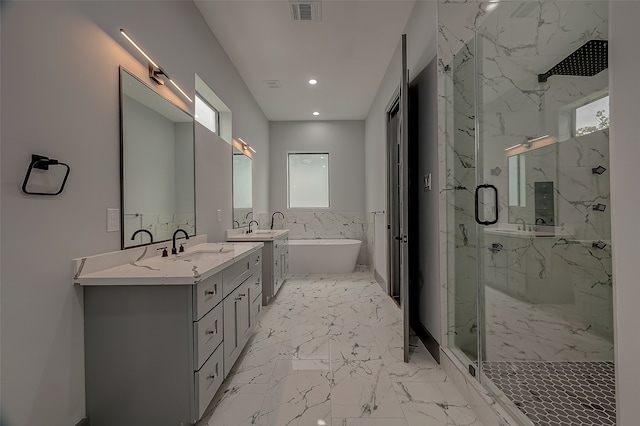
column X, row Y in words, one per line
column 242, row 295
column 212, row 292
column 211, row 377
column 215, row 329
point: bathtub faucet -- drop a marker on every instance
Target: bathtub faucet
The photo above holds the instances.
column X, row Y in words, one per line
column 273, row 215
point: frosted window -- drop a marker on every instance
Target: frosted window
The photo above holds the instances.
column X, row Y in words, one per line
column 308, row 180
column 517, row 181
column 592, row 117
column 206, row 115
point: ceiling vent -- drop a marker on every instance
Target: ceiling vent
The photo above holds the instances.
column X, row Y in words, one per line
column 273, row 84
column 305, row 11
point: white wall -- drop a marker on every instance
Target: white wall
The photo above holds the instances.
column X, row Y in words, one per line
column 343, row 140
column 60, row 98
column 624, row 62
column 421, row 49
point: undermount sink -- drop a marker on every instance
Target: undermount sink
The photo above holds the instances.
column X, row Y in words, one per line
column 203, row 254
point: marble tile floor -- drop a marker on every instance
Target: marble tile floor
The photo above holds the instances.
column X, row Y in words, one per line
column 328, row 351
column 517, row 330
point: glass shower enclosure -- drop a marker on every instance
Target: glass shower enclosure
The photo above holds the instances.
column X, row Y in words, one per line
column 529, row 265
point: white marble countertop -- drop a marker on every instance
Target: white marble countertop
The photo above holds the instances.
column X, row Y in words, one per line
column 194, row 265
column 257, row 235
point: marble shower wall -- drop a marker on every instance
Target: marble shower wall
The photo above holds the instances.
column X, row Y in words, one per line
column 513, row 107
column 305, row 225
column 462, row 284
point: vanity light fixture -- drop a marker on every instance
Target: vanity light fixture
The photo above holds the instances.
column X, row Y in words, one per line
column 530, row 144
column 316, row 113
column 156, row 73
column 313, row 81
column 246, row 146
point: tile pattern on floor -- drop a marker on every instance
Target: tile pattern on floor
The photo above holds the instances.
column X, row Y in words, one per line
column 564, row 393
column 328, row 351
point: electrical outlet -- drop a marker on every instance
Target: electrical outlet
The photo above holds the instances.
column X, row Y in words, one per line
column 219, row 213
column 113, row 220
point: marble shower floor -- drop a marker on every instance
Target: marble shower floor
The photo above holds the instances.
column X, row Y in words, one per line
column 327, row 351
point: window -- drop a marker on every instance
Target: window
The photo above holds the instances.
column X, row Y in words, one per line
column 517, row 181
column 592, row 117
column 308, row 180
column 206, row 115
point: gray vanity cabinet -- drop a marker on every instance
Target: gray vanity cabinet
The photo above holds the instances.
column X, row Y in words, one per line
column 276, row 267
column 157, row 354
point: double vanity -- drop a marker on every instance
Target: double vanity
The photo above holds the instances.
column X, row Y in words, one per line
column 275, row 269
column 162, row 333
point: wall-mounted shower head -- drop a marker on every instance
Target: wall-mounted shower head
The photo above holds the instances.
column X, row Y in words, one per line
column 599, row 245
column 598, row 170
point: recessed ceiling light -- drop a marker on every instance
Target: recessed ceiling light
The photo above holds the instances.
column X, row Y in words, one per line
column 313, row 81
column 316, row 113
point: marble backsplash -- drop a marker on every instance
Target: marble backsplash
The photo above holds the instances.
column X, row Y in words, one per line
column 162, row 226
column 304, row 225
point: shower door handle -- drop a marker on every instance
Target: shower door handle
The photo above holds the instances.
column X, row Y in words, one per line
column 477, row 204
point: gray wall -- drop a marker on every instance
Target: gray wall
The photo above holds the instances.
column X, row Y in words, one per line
column 59, row 78
column 421, row 49
column 425, row 87
column 624, row 61
column 343, row 140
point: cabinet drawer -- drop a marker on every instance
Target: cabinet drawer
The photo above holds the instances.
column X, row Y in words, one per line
column 257, row 259
column 208, row 380
column 207, row 335
column 207, row 294
column 235, row 274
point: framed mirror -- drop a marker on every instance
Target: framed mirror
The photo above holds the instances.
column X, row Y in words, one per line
column 242, row 189
column 156, row 165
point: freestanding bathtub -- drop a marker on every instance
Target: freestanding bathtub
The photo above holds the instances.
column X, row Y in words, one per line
column 323, row 256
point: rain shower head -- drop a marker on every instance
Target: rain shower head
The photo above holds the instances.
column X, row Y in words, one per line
column 588, row 60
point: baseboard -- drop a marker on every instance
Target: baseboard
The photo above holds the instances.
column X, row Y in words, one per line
column 83, row 422
column 427, row 340
column 379, row 279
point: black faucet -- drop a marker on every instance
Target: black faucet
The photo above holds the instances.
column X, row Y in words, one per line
column 133, row 237
column 247, row 215
column 173, row 249
column 250, row 231
column 236, row 223
column 272, row 216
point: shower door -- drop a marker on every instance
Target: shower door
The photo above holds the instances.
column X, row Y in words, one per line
column 529, row 250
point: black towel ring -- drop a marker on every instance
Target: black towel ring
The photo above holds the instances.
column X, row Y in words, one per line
column 42, row 163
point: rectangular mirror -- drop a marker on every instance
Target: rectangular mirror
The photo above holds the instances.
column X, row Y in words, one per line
column 157, row 165
column 532, row 186
column 242, row 189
